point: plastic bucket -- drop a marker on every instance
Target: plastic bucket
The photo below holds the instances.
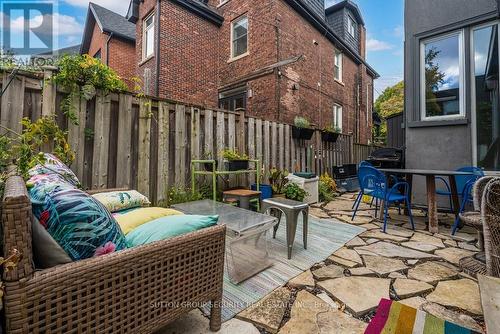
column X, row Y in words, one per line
column 265, row 189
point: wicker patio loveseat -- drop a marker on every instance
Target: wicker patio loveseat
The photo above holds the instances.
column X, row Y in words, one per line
column 137, row 290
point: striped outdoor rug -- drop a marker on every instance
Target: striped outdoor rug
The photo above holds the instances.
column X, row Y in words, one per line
column 394, row 317
column 324, row 238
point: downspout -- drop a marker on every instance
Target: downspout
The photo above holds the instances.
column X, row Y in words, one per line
column 107, row 47
column 157, row 51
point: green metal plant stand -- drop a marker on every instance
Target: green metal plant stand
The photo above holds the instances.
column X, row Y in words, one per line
column 214, row 173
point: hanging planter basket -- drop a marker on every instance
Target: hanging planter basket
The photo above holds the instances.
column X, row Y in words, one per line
column 330, row 137
column 302, row 133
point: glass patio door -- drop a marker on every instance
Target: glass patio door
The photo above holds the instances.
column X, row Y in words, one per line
column 486, row 95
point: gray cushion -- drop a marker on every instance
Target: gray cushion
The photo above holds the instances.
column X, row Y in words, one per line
column 46, row 251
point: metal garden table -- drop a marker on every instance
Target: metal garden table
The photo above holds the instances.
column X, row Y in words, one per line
column 430, row 176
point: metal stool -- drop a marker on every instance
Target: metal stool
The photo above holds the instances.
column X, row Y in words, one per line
column 292, row 210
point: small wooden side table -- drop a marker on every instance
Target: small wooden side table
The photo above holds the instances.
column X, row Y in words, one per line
column 243, row 196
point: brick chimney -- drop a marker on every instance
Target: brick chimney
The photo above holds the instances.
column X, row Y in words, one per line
column 362, row 41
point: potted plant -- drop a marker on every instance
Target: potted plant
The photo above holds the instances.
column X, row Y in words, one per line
column 278, row 180
column 330, row 134
column 302, row 129
column 294, row 192
column 235, row 160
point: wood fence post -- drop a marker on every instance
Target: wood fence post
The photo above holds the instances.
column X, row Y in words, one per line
column 144, row 146
column 49, row 92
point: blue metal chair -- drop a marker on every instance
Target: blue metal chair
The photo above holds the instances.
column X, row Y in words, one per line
column 360, row 194
column 462, row 182
column 466, row 198
column 374, row 183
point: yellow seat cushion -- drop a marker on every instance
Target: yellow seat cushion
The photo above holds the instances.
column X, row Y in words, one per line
column 131, row 220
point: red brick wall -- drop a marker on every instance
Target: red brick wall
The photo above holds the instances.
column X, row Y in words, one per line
column 196, row 64
column 145, row 9
column 121, row 54
column 98, row 42
column 121, row 59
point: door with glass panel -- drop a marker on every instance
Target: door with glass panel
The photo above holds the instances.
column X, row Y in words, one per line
column 486, row 97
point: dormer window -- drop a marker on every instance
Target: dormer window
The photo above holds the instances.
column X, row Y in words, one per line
column 351, row 26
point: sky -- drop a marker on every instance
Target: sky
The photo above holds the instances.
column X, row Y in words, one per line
column 383, row 19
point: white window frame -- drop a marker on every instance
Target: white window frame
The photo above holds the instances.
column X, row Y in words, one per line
column 351, row 26
column 337, row 116
column 145, row 31
column 338, row 66
column 233, row 23
column 461, row 63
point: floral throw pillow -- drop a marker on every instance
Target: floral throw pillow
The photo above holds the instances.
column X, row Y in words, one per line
column 79, row 223
column 122, row 200
column 53, row 166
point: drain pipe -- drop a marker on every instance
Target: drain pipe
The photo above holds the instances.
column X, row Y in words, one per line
column 157, row 51
column 107, row 47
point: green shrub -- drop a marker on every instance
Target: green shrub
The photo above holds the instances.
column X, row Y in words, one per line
column 294, row 192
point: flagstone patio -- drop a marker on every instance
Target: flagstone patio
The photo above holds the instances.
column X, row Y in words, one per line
column 340, row 295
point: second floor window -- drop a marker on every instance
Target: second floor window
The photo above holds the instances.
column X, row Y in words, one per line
column 337, row 116
column 239, row 37
column 148, row 37
column 351, row 26
column 338, row 66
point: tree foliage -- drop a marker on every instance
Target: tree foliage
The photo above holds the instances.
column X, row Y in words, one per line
column 391, row 101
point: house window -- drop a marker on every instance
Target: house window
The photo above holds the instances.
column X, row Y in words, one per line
column 337, row 116
column 233, row 99
column 148, row 37
column 338, row 66
column 351, row 26
column 98, row 54
column 442, row 77
column 239, row 37
column 486, row 97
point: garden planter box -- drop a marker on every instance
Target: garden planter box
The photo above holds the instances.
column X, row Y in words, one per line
column 236, row 165
column 302, row 133
column 330, row 137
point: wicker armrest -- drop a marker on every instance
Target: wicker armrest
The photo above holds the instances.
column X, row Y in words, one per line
column 16, row 224
column 132, row 291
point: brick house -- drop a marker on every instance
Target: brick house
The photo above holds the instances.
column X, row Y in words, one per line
column 277, row 59
column 111, row 38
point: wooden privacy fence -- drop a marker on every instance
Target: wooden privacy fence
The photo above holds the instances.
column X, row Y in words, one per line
column 148, row 144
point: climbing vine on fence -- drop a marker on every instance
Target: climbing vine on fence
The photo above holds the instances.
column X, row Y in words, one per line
column 81, row 76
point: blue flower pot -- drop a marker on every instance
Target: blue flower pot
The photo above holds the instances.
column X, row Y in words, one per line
column 265, row 189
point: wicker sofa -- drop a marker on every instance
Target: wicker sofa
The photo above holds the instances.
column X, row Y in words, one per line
column 137, row 290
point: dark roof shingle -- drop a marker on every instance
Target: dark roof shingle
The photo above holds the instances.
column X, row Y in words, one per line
column 109, row 22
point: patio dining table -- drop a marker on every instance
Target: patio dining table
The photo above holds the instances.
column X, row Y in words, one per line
column 430, row 176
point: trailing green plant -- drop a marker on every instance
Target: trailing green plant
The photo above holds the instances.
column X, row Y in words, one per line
column 81, row 76
column 332, row 129
column 231, row 155
column 294, row 192
column 278, row 180
column 24, row 150
column 302, row 122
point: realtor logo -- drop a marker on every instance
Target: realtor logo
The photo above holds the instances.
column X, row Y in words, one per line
column 27, row 26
